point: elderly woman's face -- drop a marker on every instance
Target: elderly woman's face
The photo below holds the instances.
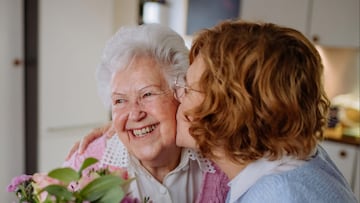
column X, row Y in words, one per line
column 143, row 109
column 191, row 98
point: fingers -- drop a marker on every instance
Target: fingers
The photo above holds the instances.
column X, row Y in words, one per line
column 73, row 150
column 110, row 132
column 93, row 135
column 82, row 145
column 85, row 141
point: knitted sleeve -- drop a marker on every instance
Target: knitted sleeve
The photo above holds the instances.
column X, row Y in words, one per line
column 214, row 187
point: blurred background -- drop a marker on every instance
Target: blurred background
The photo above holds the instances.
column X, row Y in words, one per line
column 49, row 50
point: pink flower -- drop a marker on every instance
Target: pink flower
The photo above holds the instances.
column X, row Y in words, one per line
column 120, row 172
column 128, row 199
column 32, row 188
column 16, row 181
column 41, row 180
column 87, row 178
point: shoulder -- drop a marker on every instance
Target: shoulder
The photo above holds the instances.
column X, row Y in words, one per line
column 270, row 188
column 95, row 149
column 306, row 183
column 214, row 186
column 116, row 154
column 217, row 176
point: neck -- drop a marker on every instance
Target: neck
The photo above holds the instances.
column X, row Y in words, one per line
column 229, row 166
column 164, row 164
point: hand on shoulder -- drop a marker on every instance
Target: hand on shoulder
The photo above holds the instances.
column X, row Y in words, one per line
column 81, row 145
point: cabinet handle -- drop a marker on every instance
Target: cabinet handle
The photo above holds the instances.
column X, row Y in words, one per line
column 316, row 38
column 17, row 62
column 343, row 154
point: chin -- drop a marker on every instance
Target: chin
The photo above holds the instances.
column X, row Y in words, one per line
column 186, row 142
column 146, row 155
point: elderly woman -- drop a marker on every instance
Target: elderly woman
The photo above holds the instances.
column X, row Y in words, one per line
column 135, row 79
column 254, row 103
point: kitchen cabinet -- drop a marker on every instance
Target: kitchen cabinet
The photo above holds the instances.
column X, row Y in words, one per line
column 290, row 13
column 347, row 158
column 330, row 23
column 335, row 23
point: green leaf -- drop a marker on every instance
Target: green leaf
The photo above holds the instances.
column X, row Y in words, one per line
column 47, row 200
column 58, row 191
column 98, row 187
column 113, row 195
column 88, row 162
column 65, row 175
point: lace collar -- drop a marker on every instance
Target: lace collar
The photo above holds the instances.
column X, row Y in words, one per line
column 117, row 155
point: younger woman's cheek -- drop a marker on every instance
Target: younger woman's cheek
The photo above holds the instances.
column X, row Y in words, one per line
column 183, row 137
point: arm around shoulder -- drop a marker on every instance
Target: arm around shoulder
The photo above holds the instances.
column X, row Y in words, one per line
column 95, row 149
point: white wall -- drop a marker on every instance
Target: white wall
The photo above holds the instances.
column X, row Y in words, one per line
column 72, row 36
column 342, row 70
column 125, row 13
column 178, row 18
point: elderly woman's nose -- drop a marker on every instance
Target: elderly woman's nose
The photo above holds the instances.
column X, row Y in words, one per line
column 136, row 113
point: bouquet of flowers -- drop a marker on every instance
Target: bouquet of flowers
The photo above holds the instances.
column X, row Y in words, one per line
column 61, row 185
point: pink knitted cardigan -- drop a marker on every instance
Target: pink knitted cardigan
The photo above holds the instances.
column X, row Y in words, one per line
column 214, row 187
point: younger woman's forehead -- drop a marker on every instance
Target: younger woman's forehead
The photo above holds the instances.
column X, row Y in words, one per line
column 195, row 70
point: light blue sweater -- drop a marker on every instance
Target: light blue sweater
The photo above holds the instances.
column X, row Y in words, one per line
column 317, row 180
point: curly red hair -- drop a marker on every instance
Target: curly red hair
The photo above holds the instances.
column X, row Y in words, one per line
column 263, row 92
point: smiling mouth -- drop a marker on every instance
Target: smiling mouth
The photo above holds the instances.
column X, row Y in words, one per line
column 144, row 131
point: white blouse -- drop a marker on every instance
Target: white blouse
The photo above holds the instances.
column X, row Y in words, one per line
column 183, row 184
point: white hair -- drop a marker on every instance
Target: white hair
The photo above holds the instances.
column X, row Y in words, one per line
column 154, row 40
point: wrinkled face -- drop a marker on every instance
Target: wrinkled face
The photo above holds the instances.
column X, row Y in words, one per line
column 191, row 98
column 144, row 109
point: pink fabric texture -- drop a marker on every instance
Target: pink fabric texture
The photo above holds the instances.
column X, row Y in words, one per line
column 95, row 149
column 214, row 187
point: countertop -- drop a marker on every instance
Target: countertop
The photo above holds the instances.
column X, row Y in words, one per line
column 337, row 135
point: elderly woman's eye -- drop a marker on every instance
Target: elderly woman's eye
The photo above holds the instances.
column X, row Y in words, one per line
column 118, row 101
column 147, row 94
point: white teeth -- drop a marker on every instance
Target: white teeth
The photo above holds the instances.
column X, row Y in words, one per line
column 142, row 132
